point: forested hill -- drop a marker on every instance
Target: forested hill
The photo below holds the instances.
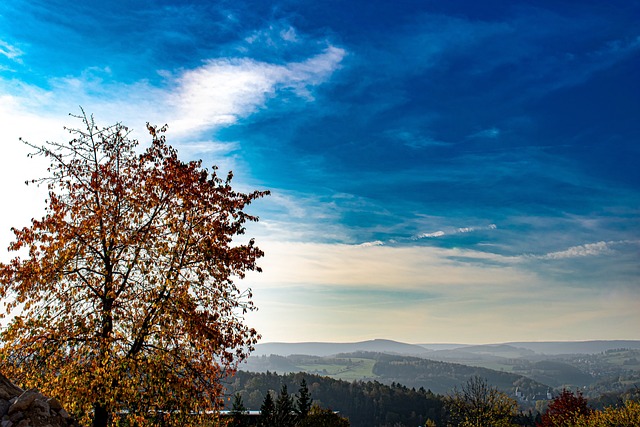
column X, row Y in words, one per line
column 439, row 377
column 327, row 349
column 366, row 404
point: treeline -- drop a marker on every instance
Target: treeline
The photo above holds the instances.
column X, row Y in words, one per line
column 365, row 404
column 373, row 404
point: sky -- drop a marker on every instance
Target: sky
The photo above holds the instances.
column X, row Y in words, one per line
column 459, row 171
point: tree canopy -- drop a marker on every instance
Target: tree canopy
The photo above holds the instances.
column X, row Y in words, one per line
column 123, row 294
column 565, row 409
column 476, row 404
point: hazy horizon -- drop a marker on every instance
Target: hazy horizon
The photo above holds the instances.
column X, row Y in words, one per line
column 441, row 172
column 438, row 343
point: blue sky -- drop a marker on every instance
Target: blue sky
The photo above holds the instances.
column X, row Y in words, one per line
column 440, row 171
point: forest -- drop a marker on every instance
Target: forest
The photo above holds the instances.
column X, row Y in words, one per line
column 371, row 403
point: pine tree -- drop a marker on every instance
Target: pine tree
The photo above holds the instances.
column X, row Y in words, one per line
column 304, row 400
column 238, row 411
column 268, row 412
column 285, row 415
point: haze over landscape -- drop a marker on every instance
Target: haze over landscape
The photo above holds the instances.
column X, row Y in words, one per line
column 441, row 172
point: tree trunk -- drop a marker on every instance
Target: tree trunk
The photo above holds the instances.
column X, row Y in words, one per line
column 100, row 416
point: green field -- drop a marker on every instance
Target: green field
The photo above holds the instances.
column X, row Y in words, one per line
column 344, row 369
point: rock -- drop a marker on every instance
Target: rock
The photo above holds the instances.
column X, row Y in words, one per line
column 4, row 407
column 54, row 404
column 24, row 401
column 41, row 406
column 30, row 408
column 8, row 390
column 16, row 416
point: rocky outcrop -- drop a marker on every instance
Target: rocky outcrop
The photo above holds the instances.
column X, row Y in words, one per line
column 29, row 408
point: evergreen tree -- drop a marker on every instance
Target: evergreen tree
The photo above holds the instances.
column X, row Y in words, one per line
column 238, row 411
column 304, row 400
column 284, row 414
column 268, row 412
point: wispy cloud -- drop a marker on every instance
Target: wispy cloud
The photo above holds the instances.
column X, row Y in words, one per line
column 438, row 233
column 590, row 249
column 384, row 267
column 216, row 94
column 460, row 230
column 472, row 229
column 10, row 52
column 415, row 140
column 587, row 250
column 374, row 243
column 490, row 133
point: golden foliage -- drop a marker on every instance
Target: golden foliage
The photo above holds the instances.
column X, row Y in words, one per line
column 626, row 416
column 126, row 305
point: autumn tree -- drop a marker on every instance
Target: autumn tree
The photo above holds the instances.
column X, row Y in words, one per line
column 123, row 294
column 624, row 416
column 321, row 417
column 476, row 404
column 565, row 409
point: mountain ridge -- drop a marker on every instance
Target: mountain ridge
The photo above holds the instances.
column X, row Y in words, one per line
column 319, row 348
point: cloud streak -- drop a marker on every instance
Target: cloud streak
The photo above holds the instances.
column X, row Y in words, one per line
column 587, row 250
column 461, row 230
column 10, row 52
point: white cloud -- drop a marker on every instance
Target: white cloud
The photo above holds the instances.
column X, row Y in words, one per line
column 439, row 233
column 216, row 94
column 589, row 249
column 374, row 243
column 471, row 229
column 224, row 90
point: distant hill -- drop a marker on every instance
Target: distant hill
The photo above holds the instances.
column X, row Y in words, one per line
column 477, row 353
column 503, row 350
column 576, row 347
column 328, row 349
column 439, row 377
column 558, row 374
column 435, row 347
